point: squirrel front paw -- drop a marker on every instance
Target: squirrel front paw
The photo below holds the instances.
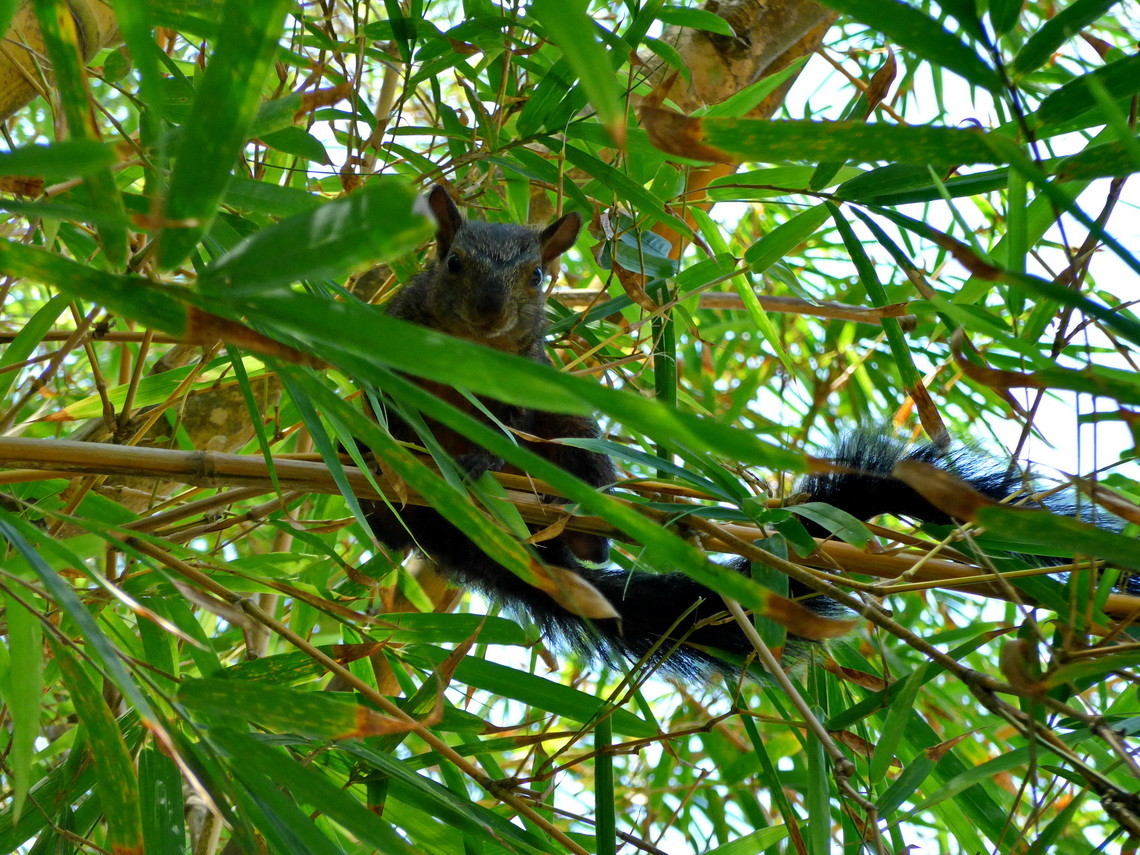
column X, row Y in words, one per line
column 475, row 463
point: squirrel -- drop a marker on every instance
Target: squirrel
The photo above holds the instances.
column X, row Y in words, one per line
column 486, row 285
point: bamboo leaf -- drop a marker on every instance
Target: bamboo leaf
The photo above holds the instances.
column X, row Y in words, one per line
column 784, row 141
column 224, row 107
column 312, row 787
column 1064, row 25
column 376, row 223
column 908, row 26
column 61, row 38
column 113, row 765
column 570, row 27
column 16, row 531
column 161, row 802
column 1119, row 79
column 534, row 691
column 61, row 160
column 23, row 691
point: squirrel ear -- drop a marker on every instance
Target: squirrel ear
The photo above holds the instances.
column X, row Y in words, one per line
column 559, row 236
column 448, row 220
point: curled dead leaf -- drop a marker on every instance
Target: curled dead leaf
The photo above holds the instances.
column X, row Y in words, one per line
column 674, row 133
column 941, row 489
column 802, row 621
column 870, row 682
column 631, row 283
column 345, row 653
column 992, row 377
column 881, row 82
column 937, row 752
column 1017, row 664
column 859, row 745
column 574, row 593
column 371, row 723
column 311, row 101
column 551, row 531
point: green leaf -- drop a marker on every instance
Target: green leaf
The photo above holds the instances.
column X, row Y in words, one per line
column 261, row 197
column 363, row 341
column 114, row 768
column 61, row 38
column 749, row 98
column 868, row 276
column 16, row 532
column 570, row 27
column 315, row 714
column 1045, row 40
column 377, row 223
column 605, row 822
column 905, row 785
column 840, row 523
column 451, row 500
column 623, row 187
column 60, row 160
column 784, row 238
column 261, row 801
column 757, row 841
column 132, row 296
column 162, row 805
column 1112, row 160
column 299, row 142
column 200, row 17
column 535, row 691
column 1060, row 532
column 476, row 821
column 29, row 338
column 23, row 693
column 225, row 104
column 311, row 786
column 781, row 141
column 133, row 18
column 7, row 10
column 156, row 388
column 697, row 19
column 901, row 708
column 1004, row 15
column 905, row 25
column 1119, row 79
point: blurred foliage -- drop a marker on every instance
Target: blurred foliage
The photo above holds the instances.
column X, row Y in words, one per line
column 234, row 172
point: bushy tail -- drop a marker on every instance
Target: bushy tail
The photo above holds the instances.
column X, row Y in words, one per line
column 668, row 619
column 663, row 616
column 863, row 485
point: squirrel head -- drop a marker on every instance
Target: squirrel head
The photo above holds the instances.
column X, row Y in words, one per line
column 489, row 280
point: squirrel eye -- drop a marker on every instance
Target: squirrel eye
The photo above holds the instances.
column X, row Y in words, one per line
column 536, row 279
column 453, row 263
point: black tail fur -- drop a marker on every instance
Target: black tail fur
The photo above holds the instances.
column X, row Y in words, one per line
column 668, row 619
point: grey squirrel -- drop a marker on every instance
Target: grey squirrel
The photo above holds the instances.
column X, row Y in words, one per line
column 487, row 285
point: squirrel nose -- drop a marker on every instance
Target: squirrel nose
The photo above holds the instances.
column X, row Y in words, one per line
column 489, row 303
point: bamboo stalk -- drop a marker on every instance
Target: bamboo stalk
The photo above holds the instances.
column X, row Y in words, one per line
column 40, row 459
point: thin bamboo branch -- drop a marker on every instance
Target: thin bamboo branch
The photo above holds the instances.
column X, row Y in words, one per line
column 842, row 768
column 111, row 336
column 575, row 298
column 39, row 459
